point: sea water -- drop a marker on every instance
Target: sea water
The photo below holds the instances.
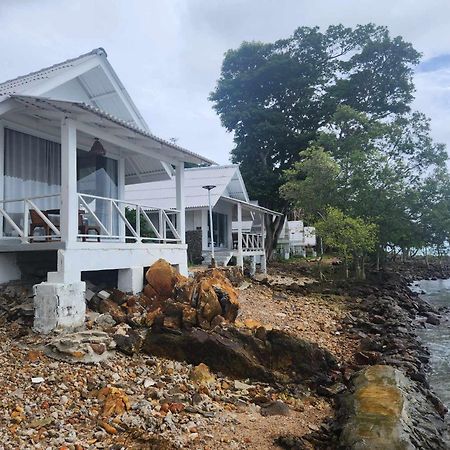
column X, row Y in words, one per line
column 437, row 338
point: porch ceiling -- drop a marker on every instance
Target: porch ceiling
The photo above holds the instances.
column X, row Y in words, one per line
column 148, row 157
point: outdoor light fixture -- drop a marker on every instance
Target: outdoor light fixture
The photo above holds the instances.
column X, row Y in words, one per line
column 97, row 148
column 209, row 188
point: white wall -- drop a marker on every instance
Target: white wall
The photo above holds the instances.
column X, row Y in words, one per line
column 193, row 219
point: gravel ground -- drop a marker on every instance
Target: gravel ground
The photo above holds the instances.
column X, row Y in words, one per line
column 155, row 402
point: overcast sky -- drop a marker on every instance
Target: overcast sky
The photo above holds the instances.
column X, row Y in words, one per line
column 168, row 53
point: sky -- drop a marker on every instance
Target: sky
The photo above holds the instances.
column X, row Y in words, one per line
column 168, row 53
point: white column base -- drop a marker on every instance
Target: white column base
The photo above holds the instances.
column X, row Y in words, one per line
column 131, row 280
column 252, row 265
column 59, row 306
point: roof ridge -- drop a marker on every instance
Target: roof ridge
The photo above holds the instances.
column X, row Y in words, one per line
column 95, row 51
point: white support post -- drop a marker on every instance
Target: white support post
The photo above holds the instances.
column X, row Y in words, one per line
column 205, row 235
column 240, row 256
column 2, row 172
column 263, row 245
column 69, row 199
column 121, row 196
column 181, row 219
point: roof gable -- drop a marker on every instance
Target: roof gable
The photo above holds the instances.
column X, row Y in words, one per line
column 227, row 179
column 89, row 78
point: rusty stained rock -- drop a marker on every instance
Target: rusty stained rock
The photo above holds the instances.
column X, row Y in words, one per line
column 162, row 278
column 388, row 410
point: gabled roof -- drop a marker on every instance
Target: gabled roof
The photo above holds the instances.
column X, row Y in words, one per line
column 227, row 179
column 143, row 163
column 89, row 78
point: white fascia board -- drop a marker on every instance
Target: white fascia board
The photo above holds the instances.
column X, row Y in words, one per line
column 244, row 189
column 8, row 105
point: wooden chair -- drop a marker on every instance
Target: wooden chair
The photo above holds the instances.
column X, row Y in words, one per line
column 38, row 222
column 84, row 228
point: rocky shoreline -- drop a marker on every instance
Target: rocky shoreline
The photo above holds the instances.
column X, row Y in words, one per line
column 347, row 360
column 384, row 317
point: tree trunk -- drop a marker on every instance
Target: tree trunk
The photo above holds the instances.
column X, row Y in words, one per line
column 273, row 230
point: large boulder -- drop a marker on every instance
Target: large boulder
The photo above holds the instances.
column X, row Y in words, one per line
column 162, row 278
column 387, row 410
column 242, row 354
column 214, row 295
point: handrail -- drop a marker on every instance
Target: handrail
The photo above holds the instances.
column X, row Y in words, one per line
column 117, row 206
column 147, row 208
column 163, row 229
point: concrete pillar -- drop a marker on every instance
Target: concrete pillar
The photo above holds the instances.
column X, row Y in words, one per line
column 131, row 280
column 59, row 303
column 252, row 265
column 59, row 306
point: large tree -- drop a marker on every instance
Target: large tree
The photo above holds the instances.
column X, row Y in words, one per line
column 275, row 97
column 390, row 173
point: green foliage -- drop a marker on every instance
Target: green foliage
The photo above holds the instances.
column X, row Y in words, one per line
column 349, row 236
column 385, row 176
column 146, row 231
column 275, row 97
column 312, row 182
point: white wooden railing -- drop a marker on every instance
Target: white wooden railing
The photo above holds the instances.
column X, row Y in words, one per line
column 110, row 221
column 20, row 221
column 250, row 242
column 115, row 225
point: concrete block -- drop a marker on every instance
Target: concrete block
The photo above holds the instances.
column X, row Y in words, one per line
column 88, row 295
column 104, row 295
column 131, row 280
column 59, row 306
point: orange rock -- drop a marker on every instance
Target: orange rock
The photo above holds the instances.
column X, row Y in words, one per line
column 151, row 316
column 34, row 355
column 108, row 428
column 165, row 407
column 115, row 401
column 176, row 408
column 251, row 323
column 162, row 277
column 214, row 295
column 189, row 315
column 149, row 292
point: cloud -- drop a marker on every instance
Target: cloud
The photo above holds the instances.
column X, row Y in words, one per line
column 168, row 54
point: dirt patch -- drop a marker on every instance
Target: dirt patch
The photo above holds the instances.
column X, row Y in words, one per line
column 315, row 317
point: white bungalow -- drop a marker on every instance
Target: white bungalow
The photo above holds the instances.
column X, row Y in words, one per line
column 238, row 223
column 70, row 140
column 295, row 239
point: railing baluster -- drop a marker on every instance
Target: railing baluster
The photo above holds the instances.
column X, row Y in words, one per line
column 138, row 221
column 26, row 229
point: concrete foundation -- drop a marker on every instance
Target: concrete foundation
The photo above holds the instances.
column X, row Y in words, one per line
column 59, row 306
column 252, row 265
column 131, row 280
